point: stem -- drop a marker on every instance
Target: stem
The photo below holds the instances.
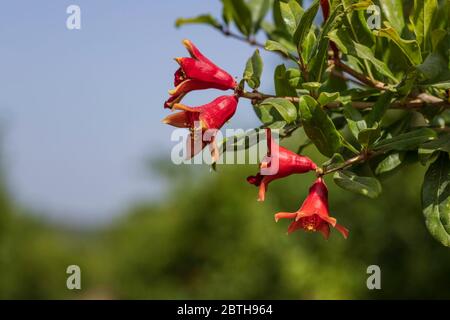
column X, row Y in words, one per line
column 226, row 32
column 303, row 67
column 420, row 101
column 349, row 162
column 251, row 41
column 361, row 77
column 341, row 76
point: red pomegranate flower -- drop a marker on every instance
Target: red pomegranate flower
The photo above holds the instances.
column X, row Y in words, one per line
column 203, row 122
column 313, row 214
column 196, row 73
column 278, row 163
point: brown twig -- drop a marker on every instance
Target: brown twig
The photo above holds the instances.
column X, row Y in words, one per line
column 251, row 41
column 361, row 77
column 420, row 101
column 339, row 74
column 226, row 32
column 349, row 162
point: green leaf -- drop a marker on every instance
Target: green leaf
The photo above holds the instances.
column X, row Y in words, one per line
column 326, row 97
column 276, row 46
column 291, row 12
column 433, row 66
column 202, row 19
column 241, row 141
column 367, row 186
column 348, row 46
column 253, row 70
column 319, row 127
column 259, row 9
column 379, row 108
column 263, row 113
column 286, row 81
column 305, row 24
column 409, row 47
column 393, row 11
column 406, row 141
column 367, row 137
column 436, row 199
column 436, row 37
column 389, row 163
column 334, row 162
column 308, row 45
column 441, row 85
column 355, row 120
column 428, row 149
column 421, row 20
column 227, row 11
column 311, row 85
column 442, row 143
column 317, row 64
column 284, row 107
column 242, row 16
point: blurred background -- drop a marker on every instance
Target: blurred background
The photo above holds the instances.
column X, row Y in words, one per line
column 87, row 179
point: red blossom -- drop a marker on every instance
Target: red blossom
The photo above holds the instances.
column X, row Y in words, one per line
column 197, row 73
column 313, row 214
column 199, row 120
column 278, row 163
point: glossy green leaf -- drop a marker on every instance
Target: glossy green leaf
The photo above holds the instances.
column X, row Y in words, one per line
column 318, row 62
column 253, row 70
column 276, row 46
column 319, row 127
column 311, row 85
column 285, row 108
column 263, row 113
column 434, row 66
column 242, row 16
column 305, row 24
column 227, row 11
column 379, row 108
column 421, row 20
column 410, row 48
column 308, row 45
column 393, row 11
column 436, row 199
column 428, row 149
column 259, row 9
column 367, row 137
column 291, row 13
column 367, row 186
column 389, row 163
column 327, row 97
column 334, row 162
column 355, row 120
column 286, row 81
column 348, row 46
column 406, row 141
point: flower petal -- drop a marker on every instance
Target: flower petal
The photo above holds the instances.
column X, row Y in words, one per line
column 194, row 52
column 344, row 231
column 324, row 229
column 178, row 119
column 285, row 215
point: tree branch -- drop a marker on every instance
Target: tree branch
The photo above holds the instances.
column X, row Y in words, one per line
column 420, row 101
column 226, row 32
column 361, row 77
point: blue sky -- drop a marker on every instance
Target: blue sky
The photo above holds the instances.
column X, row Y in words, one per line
column 81, row 109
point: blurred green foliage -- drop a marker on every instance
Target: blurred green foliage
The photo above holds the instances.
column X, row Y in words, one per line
column 209, row 238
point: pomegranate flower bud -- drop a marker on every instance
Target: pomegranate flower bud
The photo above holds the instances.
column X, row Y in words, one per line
column 203, row 122
column 278, row 163
column 313, row 214
column 197, row 73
